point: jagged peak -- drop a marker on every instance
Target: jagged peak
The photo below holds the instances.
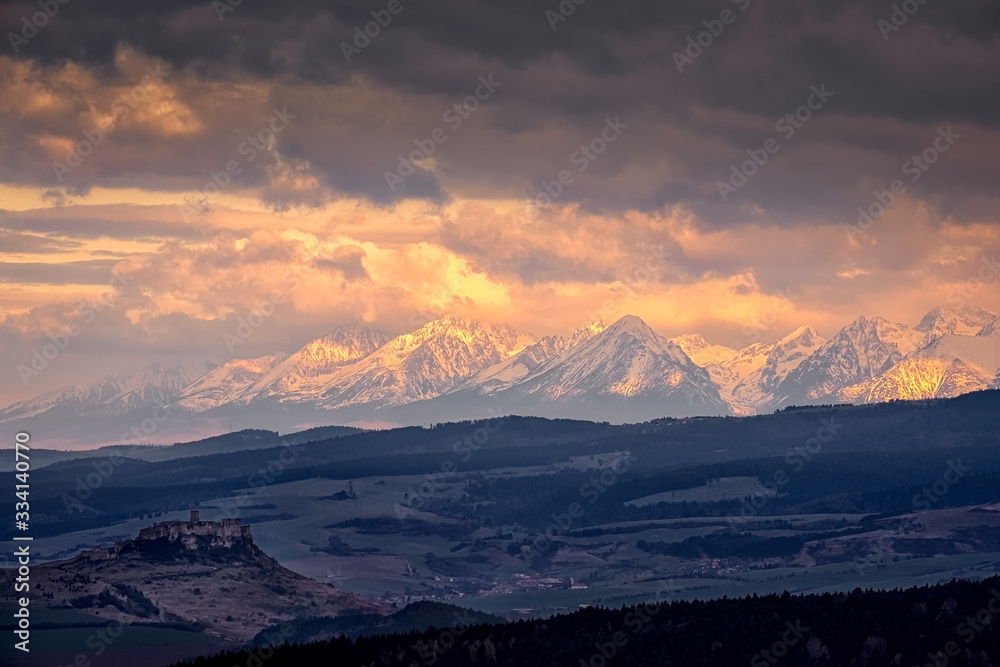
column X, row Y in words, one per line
column 693, row 340
column 864, row 322
column 352, row 331
column 960, row 320
column 701, row 352
column 805, row 335
column 451, row 325
column 634, row 328
column 254, row 364
column 629, row 323
column 585, row 333
column 456, row 326
column 880, row 327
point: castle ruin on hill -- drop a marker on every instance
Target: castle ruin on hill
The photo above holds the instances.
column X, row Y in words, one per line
column 191, row 534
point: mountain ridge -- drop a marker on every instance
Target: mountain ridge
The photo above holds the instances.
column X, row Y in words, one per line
column 459, row 368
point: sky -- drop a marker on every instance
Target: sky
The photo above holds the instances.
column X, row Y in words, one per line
column 735, row 168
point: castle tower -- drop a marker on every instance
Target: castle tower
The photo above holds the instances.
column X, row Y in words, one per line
column 195, row 518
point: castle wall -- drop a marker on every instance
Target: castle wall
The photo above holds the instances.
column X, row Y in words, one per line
column 224, row 534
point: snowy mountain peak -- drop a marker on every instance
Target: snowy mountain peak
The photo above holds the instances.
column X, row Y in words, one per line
column 227, row 382
column 584, row 334
column 630, row 323
column 804, row 335
column 626, row 360
column 750, row 378
column 702, row 352
column 966, row 321
column 633, row 327
column 859, row 352
column 505, row 340
column 435, row 359
column 342, row 345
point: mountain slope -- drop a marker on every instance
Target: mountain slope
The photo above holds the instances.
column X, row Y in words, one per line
column 458, row 369
column 112, row 395
column 703, row 353
column 506, row 373
column 429, row 362
column 193, row 572
column 860, row 351
column 761, row 385
column 307, row 373
column 991, row 330
column 965, row 321
column 226, row 382
column 947, row 367
column 628, row 360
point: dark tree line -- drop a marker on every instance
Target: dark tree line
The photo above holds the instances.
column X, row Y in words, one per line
column 953, row 624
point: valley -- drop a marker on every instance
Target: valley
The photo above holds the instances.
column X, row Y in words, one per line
column 544, row 517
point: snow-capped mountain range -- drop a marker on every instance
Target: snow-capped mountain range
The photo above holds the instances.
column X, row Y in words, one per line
column 453, row 368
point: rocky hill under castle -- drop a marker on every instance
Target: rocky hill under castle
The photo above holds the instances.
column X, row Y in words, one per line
column 195, row 573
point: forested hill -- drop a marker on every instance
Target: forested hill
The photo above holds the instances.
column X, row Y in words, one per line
column 953, row 624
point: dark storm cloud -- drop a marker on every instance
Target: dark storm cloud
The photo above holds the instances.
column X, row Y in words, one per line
column 802, row 41
column 941, row 67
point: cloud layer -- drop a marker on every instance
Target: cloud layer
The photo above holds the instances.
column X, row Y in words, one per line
column 489, row 160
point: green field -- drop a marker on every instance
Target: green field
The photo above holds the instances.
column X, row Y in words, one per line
column 725, row 488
